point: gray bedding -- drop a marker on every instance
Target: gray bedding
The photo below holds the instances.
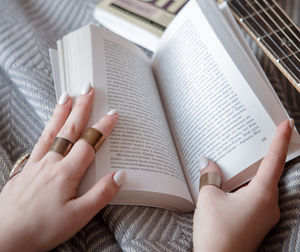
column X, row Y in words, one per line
column 27, row 29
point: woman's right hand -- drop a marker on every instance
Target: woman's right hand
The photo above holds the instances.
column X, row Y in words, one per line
column 240, row 220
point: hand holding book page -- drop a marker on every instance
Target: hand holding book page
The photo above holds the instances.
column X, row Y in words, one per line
column 240, row 220
column 200, row 96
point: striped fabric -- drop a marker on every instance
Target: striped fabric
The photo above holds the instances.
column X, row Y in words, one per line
column 27, row 29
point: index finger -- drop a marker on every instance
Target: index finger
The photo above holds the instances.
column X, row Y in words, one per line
column 271, row 167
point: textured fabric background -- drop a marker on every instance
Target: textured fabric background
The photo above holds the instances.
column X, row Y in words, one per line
column 27, row 29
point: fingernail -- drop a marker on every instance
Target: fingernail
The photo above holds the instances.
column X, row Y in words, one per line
column 292, row 123
column 120, row 178
column 86, row 88
column 203, row 162
column 112, row 112
column 63, row 98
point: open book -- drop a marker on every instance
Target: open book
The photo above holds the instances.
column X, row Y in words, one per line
column 202, row 94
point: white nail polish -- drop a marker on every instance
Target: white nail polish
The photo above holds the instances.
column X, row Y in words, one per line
column 86, row 88
column 203, row 162
column 292, row 123
column 63, row 98
column 120, row 178
column 112, row 112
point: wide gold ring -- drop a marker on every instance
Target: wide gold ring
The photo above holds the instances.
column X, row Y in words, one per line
column 19, row 165
column 93, row 137
column 210, row 178
column 61, row 146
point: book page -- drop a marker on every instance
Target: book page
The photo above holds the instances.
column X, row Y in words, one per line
column 141, row 144
column 212, row 110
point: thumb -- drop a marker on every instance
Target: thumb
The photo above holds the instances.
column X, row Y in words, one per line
column 210, row 174
column 210, row 181
column 90, row 203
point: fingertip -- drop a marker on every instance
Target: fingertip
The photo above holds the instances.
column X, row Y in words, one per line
column 283, row 133
column 272, row 165
column 203, row 163
column 89, row 93
column 286, row 127
column 106, row 189
column 207, row 165
column 102, row 192
column 61, row 111
column 119, row 178
column 86, row 88
column 63, row 98
column 62, row 104
column 210, row 174
column 113, row 112
column 114, row 119
column 106, row 124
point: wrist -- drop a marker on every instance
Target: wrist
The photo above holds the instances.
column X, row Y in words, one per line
column 212, row 241
column 12, row 236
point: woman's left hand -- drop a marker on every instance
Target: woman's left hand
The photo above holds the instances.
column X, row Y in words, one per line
column 39, row 206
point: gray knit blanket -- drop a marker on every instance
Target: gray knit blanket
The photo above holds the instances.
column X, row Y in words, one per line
column 28, row 28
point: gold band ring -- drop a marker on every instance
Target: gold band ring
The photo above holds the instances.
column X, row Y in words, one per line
column 94, row 137
column 19, row 165
column 61, row 146
column 210, row 178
